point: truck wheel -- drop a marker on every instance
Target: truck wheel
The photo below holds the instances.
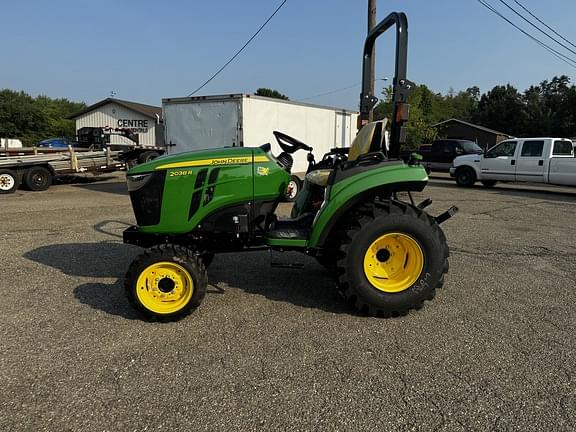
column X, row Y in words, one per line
column 9, row 181
column 147, row 156
column 37, row 179
column 489, row 183
column 393, row 259
column 166, row 282
column 293, row 189
column 465, row 176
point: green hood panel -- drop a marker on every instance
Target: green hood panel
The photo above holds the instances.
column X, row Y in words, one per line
column 211, row 157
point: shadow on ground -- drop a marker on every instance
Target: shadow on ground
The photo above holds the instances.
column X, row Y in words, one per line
column 502, row 189
column 80, row 179
column 308, row 287
column 117, row 188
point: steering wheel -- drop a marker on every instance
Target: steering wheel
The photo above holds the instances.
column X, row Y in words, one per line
column 289, row 144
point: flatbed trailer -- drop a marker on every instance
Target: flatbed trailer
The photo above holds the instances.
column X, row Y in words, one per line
column 37, row 169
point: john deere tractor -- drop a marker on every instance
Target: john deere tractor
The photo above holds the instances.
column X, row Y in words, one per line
column 386, row 255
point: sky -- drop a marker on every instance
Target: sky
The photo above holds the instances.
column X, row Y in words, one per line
column 148, row 50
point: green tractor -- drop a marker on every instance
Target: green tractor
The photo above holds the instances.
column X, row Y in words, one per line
column 387, row 256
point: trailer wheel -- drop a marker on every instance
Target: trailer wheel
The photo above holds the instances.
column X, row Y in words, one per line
column 9, row 181
column 465, row 176
column 37, row 178
column 293, row 189
column 166, row 282
column 147, row 156
column 393, row 258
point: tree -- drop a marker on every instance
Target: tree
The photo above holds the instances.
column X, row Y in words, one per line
column 424, row 108
column 502, row 108
column 33, row 119
column 262, row 91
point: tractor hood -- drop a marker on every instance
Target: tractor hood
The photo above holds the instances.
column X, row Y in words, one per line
column 213, row 157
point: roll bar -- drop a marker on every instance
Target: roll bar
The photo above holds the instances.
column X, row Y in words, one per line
column 401, row 86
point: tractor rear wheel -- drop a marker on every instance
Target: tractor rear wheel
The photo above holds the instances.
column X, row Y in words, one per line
column 166, row 282
column 392, row 259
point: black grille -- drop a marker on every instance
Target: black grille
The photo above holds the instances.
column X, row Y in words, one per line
column 147, row 201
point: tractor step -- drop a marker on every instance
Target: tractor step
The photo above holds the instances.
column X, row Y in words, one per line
column 290, row 229
column 288, row 233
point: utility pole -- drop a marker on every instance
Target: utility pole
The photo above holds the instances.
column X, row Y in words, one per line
column 371, row 25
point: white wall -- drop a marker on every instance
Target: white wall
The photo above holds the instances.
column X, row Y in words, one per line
column 314, row 126
column 109, row 114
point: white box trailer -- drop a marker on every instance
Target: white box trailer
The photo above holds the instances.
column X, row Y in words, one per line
column 204, row 122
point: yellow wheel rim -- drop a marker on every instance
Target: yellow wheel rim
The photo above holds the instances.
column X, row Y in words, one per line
column 393, row 262
column 164, row 287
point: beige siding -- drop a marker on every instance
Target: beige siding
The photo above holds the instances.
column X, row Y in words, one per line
column 110, row 114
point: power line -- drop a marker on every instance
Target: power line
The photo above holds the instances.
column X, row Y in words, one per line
column 543, row 23
column 330, row 92
column 337, row 90
column 239, row 51
column 536, row 27
column 554, row 52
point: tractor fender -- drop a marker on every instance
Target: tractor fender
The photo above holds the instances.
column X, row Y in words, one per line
column 358, row 189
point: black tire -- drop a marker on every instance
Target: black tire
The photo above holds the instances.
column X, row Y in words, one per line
column 489, row 183
column 465, row 176
column 372, row 222
column 9, row 181
column 181, row 259
column 38, row 178
column 147, row 156
column 293, row 189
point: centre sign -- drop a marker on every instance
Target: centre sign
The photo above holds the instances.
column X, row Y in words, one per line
column 136, row 126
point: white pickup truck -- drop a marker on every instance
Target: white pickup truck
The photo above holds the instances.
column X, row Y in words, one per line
column 535, row 160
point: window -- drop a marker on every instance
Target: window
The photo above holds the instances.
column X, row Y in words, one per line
column 446, row 147
column 532, row 148
column 562, row 148
column 470, row 147
column 506, row 148
column 441, row 147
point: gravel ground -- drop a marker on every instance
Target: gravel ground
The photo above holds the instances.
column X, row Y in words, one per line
column 276, row 349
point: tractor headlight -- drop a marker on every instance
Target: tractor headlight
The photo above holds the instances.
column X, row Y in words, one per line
column 137, row 181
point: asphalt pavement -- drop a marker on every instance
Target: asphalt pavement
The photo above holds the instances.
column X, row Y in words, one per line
column 277, row 349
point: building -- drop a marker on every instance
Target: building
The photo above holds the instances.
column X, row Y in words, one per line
column 459, row 129
column 145, row 120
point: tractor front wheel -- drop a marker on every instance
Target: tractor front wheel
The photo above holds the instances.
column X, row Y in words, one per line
column 393, row 258
column 166, row 282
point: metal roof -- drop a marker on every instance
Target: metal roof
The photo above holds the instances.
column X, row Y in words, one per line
column 482, row 128
column 224, row 97
column 147, row 110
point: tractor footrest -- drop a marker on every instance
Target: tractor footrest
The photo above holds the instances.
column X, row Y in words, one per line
column 288, row 233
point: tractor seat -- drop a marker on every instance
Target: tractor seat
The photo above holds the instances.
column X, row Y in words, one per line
column 369, row 139
column 319, row 177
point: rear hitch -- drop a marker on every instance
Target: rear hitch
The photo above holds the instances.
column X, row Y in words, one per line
column 424, row 204
column 446, row 215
